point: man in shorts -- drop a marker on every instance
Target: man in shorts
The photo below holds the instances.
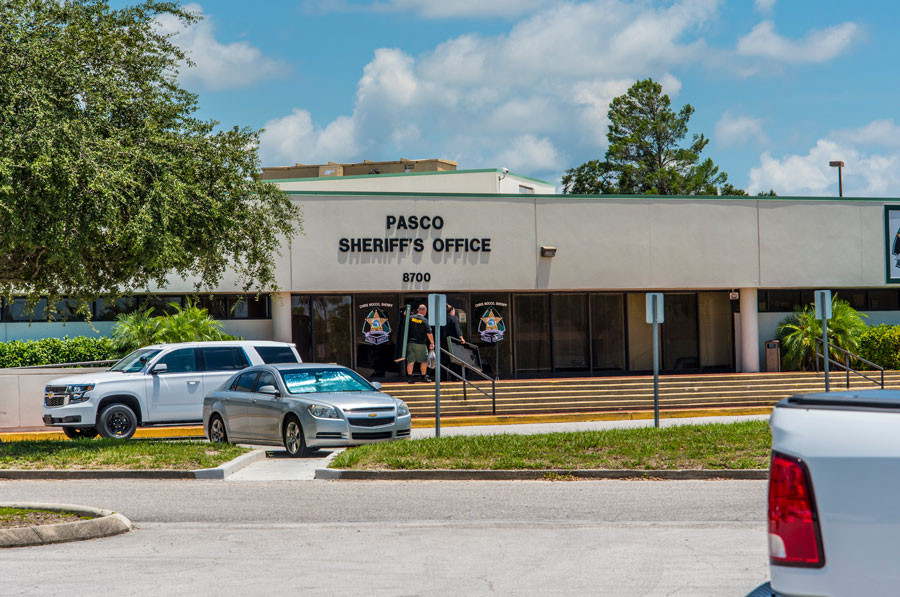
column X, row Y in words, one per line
column 419, row 342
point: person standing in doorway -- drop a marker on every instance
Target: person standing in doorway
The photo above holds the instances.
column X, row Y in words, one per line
column 452, row 329
column 420, row 341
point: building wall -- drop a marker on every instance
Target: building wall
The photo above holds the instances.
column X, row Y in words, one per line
column 459, row 181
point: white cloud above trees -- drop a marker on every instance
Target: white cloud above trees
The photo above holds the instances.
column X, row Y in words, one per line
column 525, row 96
column 866, row 173
column 217, row 65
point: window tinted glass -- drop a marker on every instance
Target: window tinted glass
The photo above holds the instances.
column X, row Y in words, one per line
column 246, row 382
column 311, row 381
column 276, row 354
column 182, row 360
column 133, row 361
column 224, row 358
column 266, row 379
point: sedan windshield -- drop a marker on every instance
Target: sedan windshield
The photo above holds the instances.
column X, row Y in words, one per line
column 313, row 381
column 135, row 361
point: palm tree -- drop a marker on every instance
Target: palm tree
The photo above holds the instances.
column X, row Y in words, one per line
column 188, row 324
column 799, row 331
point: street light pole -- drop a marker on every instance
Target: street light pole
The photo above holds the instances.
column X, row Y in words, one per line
column 838, row 165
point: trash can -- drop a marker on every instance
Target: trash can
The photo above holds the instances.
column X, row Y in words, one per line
column 773, row 355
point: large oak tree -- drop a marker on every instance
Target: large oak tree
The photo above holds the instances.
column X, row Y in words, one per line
column 647, row 154
column 109, row 183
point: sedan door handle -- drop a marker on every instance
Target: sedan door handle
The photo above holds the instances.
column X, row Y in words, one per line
column 193, row 381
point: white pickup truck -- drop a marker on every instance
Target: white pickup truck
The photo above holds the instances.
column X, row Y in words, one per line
column 834, row 495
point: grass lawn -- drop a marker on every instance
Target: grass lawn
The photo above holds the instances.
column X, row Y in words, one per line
column 742, row 445
column 94, row 454
column 25, row 517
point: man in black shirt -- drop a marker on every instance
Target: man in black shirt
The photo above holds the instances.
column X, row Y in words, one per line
column 452, row 330
column 419, row 342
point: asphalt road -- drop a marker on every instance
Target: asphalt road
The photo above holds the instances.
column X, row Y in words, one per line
column 403, row 538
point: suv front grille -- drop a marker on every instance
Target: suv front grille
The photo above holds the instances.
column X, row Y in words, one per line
column 52, row 401
column 55, row 396
column 370, row 421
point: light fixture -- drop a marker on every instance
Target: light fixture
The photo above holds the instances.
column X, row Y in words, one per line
column 547, row 251
column 838, row 164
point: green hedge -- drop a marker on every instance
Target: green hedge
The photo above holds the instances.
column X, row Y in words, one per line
column 48, row 351
column 881, row 345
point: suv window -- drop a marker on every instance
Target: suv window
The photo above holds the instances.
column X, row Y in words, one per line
column 266, row 379
column 271, row 355
column 183, row 360
column 224, row 358
column 245, row 382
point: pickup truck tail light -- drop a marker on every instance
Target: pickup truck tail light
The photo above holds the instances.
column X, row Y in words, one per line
column 794, row 535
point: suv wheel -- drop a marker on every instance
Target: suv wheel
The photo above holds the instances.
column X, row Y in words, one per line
column 80, row 432
column 117, row 421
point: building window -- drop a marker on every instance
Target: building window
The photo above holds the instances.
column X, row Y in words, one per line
column 784, row 301
column 883, row 300
column 248, row 306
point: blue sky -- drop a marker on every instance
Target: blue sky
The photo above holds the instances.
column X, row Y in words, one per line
column 779, row 86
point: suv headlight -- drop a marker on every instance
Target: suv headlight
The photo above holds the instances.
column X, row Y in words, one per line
column 77, row 392
column 402, row 409
column 320, row 411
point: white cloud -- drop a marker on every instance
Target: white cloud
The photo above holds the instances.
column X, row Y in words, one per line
column 528, row 152
column 865, row 174
column 535, row 97
column 764, row 6
column 217, row 65
column 525, row 91
column 818, row 46
column 435, row 9
column 881, row 133
column 295, row 135
column 733, row 130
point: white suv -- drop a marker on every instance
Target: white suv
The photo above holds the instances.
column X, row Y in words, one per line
column 162, row 384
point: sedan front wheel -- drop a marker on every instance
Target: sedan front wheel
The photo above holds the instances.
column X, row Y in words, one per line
column 294, row 442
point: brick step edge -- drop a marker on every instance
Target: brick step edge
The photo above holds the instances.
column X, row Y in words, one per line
column 540, row 475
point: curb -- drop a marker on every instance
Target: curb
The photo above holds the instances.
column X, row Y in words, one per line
column 107, row 524
column 230, row 467
column 220, row 472
column 538, row 475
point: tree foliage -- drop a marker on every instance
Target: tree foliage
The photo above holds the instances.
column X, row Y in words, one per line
column 108, row 181
column 645, row 153
column 799, row 332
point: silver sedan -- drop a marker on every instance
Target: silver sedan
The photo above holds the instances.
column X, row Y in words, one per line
column 303, row 407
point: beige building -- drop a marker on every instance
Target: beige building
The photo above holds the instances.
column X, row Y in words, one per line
column 561, row 279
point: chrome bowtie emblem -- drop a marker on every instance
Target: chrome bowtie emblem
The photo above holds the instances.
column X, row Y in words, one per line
column 373, row 415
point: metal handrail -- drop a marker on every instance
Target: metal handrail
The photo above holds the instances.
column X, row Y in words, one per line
column 846, row 364
column 466, row 382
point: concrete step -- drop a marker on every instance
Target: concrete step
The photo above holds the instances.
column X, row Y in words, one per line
column 519, row 397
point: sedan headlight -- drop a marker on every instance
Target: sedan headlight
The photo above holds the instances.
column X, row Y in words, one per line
column 320, row 411
column 77, row 392
column 402, row 409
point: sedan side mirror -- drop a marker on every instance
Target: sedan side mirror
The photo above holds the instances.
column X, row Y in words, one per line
column 376, row 385
column 159, row 368
column 269, row 389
